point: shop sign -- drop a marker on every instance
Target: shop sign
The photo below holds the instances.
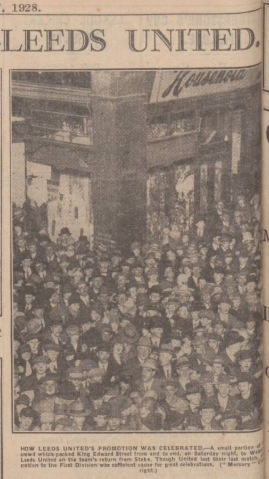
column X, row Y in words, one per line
column 179, row 84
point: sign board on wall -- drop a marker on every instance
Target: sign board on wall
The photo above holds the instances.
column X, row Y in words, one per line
column 179, row 84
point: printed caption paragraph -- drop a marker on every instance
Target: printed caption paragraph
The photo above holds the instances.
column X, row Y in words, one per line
column 146, row 459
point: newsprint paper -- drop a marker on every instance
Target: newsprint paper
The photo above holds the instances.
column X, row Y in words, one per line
column 134, row 289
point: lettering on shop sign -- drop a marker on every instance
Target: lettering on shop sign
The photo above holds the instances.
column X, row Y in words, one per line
column 179, row 84
column 187, row 79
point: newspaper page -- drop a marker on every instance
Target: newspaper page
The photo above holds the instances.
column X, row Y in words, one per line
column 131, row 228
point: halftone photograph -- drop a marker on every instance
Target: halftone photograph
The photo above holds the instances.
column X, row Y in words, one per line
column 136, row 250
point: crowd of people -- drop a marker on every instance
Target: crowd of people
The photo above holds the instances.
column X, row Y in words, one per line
column 154, row 337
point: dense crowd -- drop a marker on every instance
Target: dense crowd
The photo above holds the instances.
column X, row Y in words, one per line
column 161, row 336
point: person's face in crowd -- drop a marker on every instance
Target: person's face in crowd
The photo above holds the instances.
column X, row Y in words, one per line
column 55, row 298
column 74, row 308
column 207, row 415
column 228, row 260
column 143, row 352
column 217, row 368
column 40, row 268
column 121, row 281
column 224, row 308
column 79, row 421
column 155, row 297
column 101, row 420
column 184, row 372
column 203, row 251
column 115, row 261
column 185, row 240
column 34, row 345
column 244, row 388
column 236, row 303
column 183, row 312
column 187, row 273
column 201, row 283
column 103, row 356
column 169, row 274
column 17, row 392
column 114, row 423
column 229, row 424
column 153, row 278
column 27, row 263
column 88, row 272
column 186, row 343
column 208, row 388
column 205, row 322
column 250, row 324
column 97, row 403
column 251, row 287
column 64, row 265
column 219, row 329
column 136, row 398
column 218, row 277
column 238, row 218
column 50, row 387
column 21, row 243
column 57, row 330
column 195, row 375
column 46, row 426
column 138, row 272
column 106, row 336
column 104, row 266
column 25, row 422
column 124, row 387
column 95, row 316
column 18, row 230
column 97, row 283
column 104, row 299
column 82, row 289
column 40, row 368
column 170, row 392
column 150, row 262
column 137, row 252
column 241, row 201
column 171, row 255
column 242, row 281
column 86, row 326
column 220, row 207
column 74, row 337
column 242, row 261
column 29, row 298
column 175, row 343
column 32, row 248
column 133, row 293
column 180, row 252
column 171, row 308
column 157, row 332
column 148, row 374
column 165, row 358
column 125, row 270
column 39, row 313
column 118, row 349
column 196, row 271
column 16, row 346
column 200, row 225
column 199, row 348
column 223, row 389
column 194, row 399
column 26, row 355
column 52, row 355
column 245, row 364
column 76, row 382
column 19, row 408
column 213, row 344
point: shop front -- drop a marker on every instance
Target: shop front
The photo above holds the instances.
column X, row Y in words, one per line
column 201, row 144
